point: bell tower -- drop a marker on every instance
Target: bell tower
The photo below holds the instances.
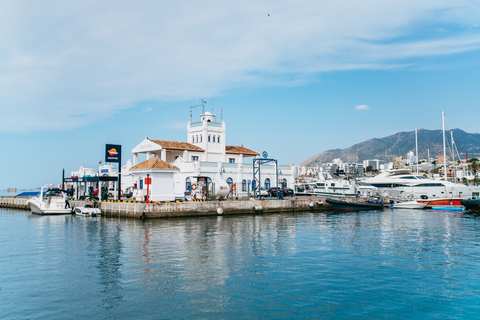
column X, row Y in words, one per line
column 209, row 135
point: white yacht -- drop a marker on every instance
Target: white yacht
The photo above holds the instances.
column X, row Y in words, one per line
column 423, row 188
column 50, row 201
column 326, row 185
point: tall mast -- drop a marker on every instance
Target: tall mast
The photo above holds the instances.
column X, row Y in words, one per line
column 444, row 148
column 416, row 147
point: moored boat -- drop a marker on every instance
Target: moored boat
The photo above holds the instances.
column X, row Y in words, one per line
column 442, row 202
column 87, row 211
column 51, row 201
column 472, row 204
column 408, row 205
column 341, row 205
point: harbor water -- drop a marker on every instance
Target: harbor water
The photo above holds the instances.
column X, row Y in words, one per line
column 402, row 264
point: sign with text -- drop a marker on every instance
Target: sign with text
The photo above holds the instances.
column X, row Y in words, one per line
column 113, row 153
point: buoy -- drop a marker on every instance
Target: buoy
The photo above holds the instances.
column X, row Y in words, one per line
column 311, row 204
column 319, row 203
column 220, row 210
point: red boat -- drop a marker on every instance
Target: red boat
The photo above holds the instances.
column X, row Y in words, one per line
column 442, row 202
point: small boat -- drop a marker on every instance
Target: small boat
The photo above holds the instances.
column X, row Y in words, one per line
column 472, row 204
column 407, row 205
column 442, row 202
column 341, row 205
column 447, row 208
column 51, row 201
column 87, row 211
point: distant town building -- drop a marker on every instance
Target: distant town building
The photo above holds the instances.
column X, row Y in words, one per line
column 375, row 163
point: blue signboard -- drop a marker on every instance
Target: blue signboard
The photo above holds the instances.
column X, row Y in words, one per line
column 113, row 153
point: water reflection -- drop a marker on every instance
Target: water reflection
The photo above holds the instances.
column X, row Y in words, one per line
column 109, row 265
column 252, row 266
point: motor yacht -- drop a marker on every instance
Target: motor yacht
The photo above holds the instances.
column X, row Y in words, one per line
column 425, row 190
column 50, row 201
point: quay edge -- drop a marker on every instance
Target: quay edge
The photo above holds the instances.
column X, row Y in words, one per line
column 139, row 210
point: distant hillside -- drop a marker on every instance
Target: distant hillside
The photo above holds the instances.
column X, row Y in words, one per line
column 400, row 144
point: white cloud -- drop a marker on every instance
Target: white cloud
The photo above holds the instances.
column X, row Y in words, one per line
column 65, row 64
column 362, row 107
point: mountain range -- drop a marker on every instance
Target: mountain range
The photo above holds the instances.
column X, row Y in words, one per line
column 399, row 144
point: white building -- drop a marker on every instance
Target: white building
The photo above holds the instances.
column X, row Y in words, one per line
column 204, row 157
column 375, row 163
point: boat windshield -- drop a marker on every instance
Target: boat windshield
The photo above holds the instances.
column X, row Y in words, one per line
column 53, row 193
column 421, row 177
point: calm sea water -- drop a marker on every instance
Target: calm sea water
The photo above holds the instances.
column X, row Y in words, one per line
column 368, row 265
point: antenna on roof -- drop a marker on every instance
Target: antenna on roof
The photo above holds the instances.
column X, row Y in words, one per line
column 222, row 114
column 197, row 105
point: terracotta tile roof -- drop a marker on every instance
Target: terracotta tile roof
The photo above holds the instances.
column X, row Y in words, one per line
column 154, row 163
column 241, row 150
column 177, row 145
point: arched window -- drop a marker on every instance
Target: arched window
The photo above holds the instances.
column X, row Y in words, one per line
column 188, row 185
column 244, row 185
column 218, row 139
column 201, row 138
column 141, row 183
column 213, row 138
column 267, row 183
column 193, row 139
column 229, row 181
column 209, row 138
column 197, row 138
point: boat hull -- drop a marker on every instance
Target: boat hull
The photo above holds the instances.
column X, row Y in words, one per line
column 38, row 207
column 409, row 205
column 442, row 202
column 472, row 205
column 353, row 206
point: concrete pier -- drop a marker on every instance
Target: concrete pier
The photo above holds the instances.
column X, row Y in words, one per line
column 141, row 210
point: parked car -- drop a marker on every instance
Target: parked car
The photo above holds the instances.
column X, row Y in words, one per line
column 263, row 192
column 285, row 191
column 128, row 192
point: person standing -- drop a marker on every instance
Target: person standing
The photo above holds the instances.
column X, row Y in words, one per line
column 67, row 203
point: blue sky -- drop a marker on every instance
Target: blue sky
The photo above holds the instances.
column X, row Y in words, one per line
column 294, row 78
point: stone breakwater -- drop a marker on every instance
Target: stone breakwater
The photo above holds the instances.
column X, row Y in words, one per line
column 141, row 210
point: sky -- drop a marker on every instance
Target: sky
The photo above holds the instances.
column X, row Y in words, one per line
column 294, row 78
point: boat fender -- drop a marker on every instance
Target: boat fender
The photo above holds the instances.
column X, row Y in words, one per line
column 319, row 203
column 311, row 204
column 219, row 210
column 257, row 208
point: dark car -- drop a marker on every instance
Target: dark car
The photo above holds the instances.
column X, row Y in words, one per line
column 128, row 192
column 285, row 192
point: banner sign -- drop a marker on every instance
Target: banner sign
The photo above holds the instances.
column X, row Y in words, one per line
column 113, row 153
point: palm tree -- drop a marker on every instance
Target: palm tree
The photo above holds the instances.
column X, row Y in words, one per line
column 475, row 167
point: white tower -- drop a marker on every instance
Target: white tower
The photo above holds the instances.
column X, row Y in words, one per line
column 208, row 135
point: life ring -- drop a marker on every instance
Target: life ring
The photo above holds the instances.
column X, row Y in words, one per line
column 194, row 186
column 121, row 193
column 233, row 187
